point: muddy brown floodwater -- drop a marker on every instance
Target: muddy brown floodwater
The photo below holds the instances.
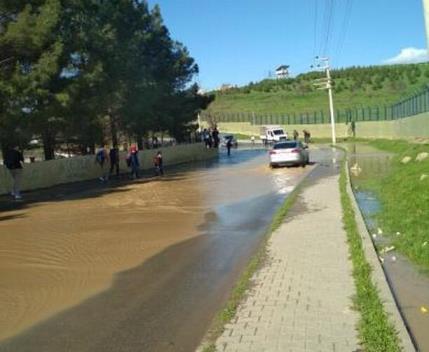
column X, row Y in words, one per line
column 138, row 266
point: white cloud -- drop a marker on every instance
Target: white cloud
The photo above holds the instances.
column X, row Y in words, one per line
column 408, row 56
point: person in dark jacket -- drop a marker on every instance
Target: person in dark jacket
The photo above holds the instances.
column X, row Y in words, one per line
column 229, row 145
column 133, row 161
column 114, row 160
column 215, row 135
column 295, row 135
column 14, row 161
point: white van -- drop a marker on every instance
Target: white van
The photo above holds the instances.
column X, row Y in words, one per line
column 272, row 134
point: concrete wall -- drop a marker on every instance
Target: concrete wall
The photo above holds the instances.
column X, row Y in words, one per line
column 53, row 172
column 409, row 128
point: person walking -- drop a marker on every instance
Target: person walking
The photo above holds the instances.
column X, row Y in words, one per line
column 206, row 138
column 353, row 127
column 101, row 158
column 133, row 161
column 14, row 161
column 215, row 135
column 295, row 135
column 158, row 164
column 114, row 160
column 307, row 136
column 229, row 145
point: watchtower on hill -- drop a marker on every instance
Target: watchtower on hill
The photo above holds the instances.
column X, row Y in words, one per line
column 282, row 72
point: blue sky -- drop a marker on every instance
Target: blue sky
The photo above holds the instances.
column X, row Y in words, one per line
column 238, row 41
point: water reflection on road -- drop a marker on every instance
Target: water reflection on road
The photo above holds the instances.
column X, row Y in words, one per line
column 134, row 266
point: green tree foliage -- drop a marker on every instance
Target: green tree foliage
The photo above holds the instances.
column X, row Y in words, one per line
column 29, row 56
column 70, row 70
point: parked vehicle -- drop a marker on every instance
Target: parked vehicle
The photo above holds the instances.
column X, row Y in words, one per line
column 272, row 134
column 227, row 137
column 289, row 153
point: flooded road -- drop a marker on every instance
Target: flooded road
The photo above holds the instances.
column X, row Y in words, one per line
column 137, row 266
column 409, row 285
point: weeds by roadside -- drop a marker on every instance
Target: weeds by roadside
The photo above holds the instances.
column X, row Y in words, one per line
column 376, row 333
column 404, row 198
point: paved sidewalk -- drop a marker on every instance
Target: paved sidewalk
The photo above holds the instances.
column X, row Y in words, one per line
column 302, row 298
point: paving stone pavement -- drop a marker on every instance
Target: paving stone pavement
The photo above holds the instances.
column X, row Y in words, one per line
column 301, row 299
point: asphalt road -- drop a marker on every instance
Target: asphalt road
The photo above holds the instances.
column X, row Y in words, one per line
column 166, row 302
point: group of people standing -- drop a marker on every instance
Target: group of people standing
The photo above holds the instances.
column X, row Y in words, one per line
column 104, row 158
column 108, row 161
column 306, row 134
column 211, row 137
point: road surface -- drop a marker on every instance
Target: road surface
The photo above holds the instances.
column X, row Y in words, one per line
column 134, row 266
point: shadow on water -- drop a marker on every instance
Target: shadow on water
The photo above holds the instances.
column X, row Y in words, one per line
column 169, row 306
column 410, row 287
column 167, row 303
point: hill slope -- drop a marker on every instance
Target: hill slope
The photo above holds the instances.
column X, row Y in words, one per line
column 354, row 87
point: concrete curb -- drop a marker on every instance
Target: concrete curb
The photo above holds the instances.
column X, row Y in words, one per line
column 378, row 275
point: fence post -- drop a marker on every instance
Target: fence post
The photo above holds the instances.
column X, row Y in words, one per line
column 426, row 99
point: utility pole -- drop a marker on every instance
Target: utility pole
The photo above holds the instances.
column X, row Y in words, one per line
column 426, row 14
column 326, row 84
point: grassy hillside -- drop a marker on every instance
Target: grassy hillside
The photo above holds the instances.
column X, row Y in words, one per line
column 354, row 87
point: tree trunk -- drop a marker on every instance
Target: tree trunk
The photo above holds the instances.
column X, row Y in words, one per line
column 48, row 145
column 139, row 141
column 113, row 130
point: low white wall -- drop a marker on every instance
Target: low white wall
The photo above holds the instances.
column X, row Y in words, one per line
column 53, row 172
column 412, row 127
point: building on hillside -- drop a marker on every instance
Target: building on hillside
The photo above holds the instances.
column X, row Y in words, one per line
column 225, row 87
column 282, row 71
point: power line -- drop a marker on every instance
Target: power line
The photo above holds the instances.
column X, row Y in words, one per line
column 344, row 29
column 323, row 26
column 316, row 15
column 331, row 6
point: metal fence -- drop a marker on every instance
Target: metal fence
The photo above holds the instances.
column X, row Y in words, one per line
column 412, row 105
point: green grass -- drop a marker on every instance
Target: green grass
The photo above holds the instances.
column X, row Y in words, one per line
column 404, row 200
column 241, row 136
column 376, row 333
column 354, row 88
column 339, row 140
column 244, row 283
column 281, row 102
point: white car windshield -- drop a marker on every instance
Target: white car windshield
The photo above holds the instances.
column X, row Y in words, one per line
column 278, row 132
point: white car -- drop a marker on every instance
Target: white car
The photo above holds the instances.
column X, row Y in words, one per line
column 289, row 153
